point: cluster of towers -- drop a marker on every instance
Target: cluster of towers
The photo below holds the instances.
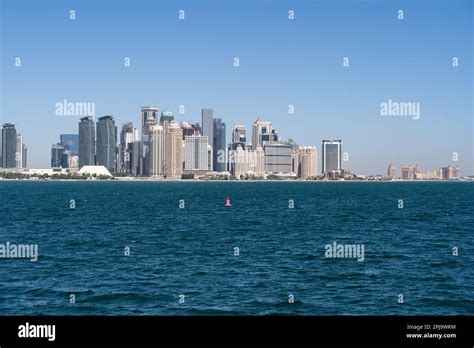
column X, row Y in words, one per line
column 164, row 148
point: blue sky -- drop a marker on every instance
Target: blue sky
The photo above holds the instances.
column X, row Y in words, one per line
column 282, row 62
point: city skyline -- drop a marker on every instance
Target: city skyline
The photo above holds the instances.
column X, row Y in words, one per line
column 282, row 63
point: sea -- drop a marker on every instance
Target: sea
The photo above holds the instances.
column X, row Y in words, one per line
column 175, row 248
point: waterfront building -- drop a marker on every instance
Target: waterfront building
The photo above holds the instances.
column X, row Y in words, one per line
column 86, row 142
column 331, row 156
column 106, row 142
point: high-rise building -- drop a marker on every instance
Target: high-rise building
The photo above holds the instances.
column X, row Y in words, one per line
column 277, row 156
column 391, row 171
column 86, row 142
column 24, row 156
column 261, row 132
column 174, row 152
column 219, row 158
column 207, row 121
column 331, row 156
column 196, row 153
column 9, row 146
column 149, row 118
column 128, row 135
column 106, row 143
column 70, row 142
column 306, row 162
column 157, row 150
column 19, row 151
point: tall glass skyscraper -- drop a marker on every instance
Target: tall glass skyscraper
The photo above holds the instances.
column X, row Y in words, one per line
column 219, row 162
column 86, row 142
column 332, row 156
column 208, row 124
column 9, row 146
column 106, row 142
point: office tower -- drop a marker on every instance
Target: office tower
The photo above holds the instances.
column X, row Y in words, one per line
column 149, row 118
column 331, row 156
column 19, row 151
column 134, row 151
column 409, row 171
column 196, row 153
column 24, row 156
column 70, row 142
column 59, row 156
column 262, row 131
column 128, row 135
column 166, row 118
column 190, row 129
column 239, row 137
column 157, row 150
column 106, row 142
column 207, row 121
column 391, row 171
column 86, row 142
column 277, row 156
column 9, row 147
column 306, row 162
column 219, row 160
column 174, row 152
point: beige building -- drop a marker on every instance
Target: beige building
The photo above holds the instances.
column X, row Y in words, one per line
column 243, row 162
column 435, row 175
column 174, row 151
column 391, row 171
column 304, row 162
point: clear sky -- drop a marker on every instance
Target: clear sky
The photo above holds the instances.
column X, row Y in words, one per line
column 282, row 62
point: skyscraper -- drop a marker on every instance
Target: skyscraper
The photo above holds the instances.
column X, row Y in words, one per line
column 86, row 142
column 207, row 124
column 9, row 146
column 174, row 152
column 306, row 162
column 219, row 162
column 157, row 151
column 149, row 118
column 106, row 142
column 196, row 153
column 128, row 135
column 331, row 156
column 19, row 151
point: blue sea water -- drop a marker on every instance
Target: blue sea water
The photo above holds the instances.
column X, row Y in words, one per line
column 190, row 251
